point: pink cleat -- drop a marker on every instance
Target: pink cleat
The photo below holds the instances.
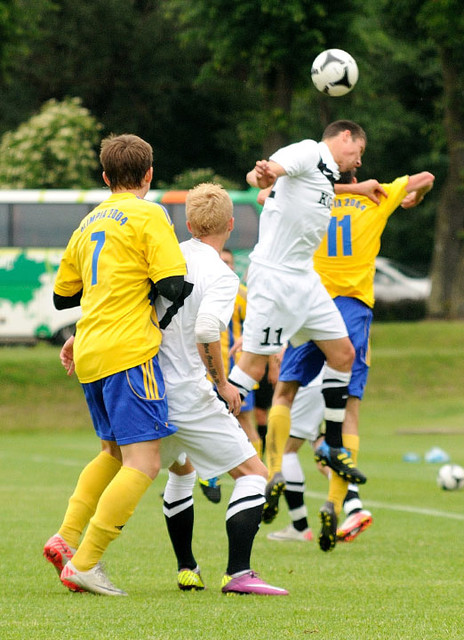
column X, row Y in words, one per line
column 58, row 552
column 249, row 582
column 354, row 524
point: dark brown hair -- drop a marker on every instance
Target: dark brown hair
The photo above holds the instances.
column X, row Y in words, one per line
column 125, row 160
column 334, row 128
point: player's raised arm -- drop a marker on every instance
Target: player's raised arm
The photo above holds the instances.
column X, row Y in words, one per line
column 264, row 174
column 369, row 188
column 418, row 185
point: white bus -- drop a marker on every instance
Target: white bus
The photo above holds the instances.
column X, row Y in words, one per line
column 35, row 226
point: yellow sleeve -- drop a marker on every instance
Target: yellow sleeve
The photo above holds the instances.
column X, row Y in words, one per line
column 68, row 279
column 162, row 247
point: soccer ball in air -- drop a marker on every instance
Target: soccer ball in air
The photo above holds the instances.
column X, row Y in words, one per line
column 334, row 72
column 451, row 477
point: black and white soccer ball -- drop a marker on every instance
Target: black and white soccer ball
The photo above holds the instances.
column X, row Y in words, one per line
column 450, row 477
column 334, row 72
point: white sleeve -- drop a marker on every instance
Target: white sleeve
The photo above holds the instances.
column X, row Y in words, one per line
column 219, row 297
column 298, row 158
column 208, row 328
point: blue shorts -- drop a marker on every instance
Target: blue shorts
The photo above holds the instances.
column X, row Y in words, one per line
column 303, row 363
column 130, row 406
column 358, row 320
column 249, row 403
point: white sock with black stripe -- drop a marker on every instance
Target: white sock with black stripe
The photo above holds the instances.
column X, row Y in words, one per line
column 178, row 512
column 243, row 518
column 335, row 392
column 294, row 490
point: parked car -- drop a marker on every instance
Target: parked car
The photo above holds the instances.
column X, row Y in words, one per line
column 400, row 292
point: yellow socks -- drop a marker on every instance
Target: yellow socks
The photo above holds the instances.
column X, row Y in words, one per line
column 92, row 481
column 258, row 445
column 351, row 442
column 337, row 486
column 115, row 507
column 278, row 431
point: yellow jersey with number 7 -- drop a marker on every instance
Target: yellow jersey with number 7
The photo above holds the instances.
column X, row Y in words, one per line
column 116, row 251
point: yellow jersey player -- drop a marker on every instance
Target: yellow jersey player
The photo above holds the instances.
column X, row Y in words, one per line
column 121, row 250
column 345, row 262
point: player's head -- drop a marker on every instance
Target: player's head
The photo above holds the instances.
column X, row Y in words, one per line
column 209, row 210
column 228, row 257
column 347, row 177
column 127, row 161
column 347, row 142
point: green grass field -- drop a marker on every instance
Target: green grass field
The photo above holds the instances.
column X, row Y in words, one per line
column 401, row 579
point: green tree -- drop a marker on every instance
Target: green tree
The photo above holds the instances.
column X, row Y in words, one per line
column 54, row 149
column 443, row 21
column 441, row 24
column 191, row 177
column 270, row 46
column 123, row 59
column 19, row 27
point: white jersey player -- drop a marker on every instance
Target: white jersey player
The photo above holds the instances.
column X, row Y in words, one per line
column 286, row 299
column 206, row 431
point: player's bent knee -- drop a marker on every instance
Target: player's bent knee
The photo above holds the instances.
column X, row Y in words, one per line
column 253, row 466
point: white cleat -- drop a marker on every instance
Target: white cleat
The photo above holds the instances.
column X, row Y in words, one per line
column 292, row 534
column 95, row 580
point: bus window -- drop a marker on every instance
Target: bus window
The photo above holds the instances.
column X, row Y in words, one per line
column 244, row 235
column 35, row 227
column 4, row 226
column 177, row 213
column 45, row 225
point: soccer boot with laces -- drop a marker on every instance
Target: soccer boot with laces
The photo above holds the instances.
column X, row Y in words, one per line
column 249, row 582
column 190, row 580
column 274, row 489
column 57, row 552
column 95, row 580
column 291, row 534
column 211, row 489
column 328, row 533
column 339, row 459
column 353, row 525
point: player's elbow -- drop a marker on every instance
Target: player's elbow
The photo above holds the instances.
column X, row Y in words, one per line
column 171, row 287
column 207, row 328
column 67, row 302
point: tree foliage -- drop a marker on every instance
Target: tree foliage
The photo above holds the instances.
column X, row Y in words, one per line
column 19, row 26
column 219, row 83
column 269, row 44
column 54, row 149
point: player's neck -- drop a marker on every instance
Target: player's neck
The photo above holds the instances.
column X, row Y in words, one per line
column 216, row 241
column 140, row 192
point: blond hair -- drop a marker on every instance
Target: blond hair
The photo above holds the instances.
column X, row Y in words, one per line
column 208, row 208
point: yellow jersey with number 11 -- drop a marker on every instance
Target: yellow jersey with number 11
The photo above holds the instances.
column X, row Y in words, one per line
column 345, row 259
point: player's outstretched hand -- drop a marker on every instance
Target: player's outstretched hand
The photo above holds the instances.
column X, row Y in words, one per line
column 229, row 393
column 411, row 200
column 67, row 356
column 372, row 189
column 265, row 177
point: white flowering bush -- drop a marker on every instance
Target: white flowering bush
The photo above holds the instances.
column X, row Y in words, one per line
column 54, row 149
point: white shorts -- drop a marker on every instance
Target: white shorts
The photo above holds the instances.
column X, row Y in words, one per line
column 285, row 306
column 211, row 437
column 308, row 411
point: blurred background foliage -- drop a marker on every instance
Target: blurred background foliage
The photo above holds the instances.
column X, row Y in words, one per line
column 221, row 83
